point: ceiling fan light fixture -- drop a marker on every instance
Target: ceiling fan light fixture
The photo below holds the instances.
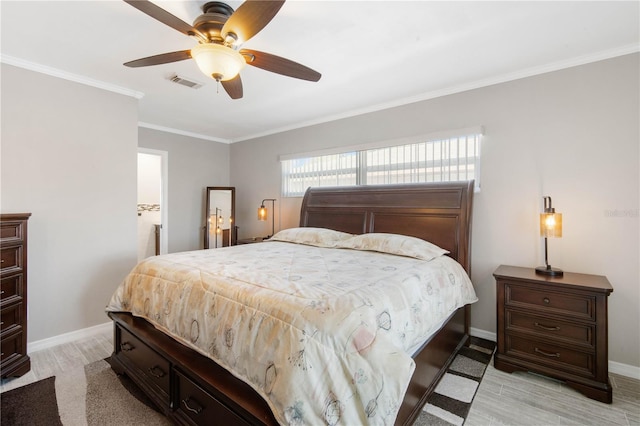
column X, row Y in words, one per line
column 217, row 61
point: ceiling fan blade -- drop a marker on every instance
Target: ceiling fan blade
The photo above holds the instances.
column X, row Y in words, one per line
column 163, row 58
column 279, row 65
column 251, row 17
column 233, row 87
column 163, row 16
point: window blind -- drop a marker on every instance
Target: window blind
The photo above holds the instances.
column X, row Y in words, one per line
column 452, row 158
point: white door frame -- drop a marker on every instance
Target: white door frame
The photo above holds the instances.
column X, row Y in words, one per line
column 164, row 197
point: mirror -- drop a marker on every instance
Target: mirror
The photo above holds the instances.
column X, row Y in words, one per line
column 220, row 217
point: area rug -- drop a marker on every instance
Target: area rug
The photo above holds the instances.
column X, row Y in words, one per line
column 95, row 395
column 451, row 401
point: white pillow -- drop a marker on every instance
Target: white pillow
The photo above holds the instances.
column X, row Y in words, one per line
column 319, row 237
column 400, row 245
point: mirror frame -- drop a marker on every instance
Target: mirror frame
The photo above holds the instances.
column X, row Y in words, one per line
column 207, row 214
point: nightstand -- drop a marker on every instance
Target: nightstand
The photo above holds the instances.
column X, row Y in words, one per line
column 555, row 326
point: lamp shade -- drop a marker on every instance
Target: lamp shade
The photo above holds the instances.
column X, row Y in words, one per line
column 551, row 225
column 217, row 61
column 262, row 213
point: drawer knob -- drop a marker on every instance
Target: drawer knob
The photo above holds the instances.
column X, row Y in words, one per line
column 156, row 371
column 546, row 300
column 194, row 407
column 545, row 327
column 126, row 346
column 550, row 355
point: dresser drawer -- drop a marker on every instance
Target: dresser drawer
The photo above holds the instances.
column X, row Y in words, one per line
column 197, row 406
column 565, row 331
column 146, row 362
column 11, row 232
column 573, row 304
column 11, row 289
column 11, row 348
column 11, row 319
column 552, row 356
column 10, row 259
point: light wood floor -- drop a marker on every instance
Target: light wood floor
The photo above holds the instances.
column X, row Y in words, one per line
column 49, row 362
column 502, row 399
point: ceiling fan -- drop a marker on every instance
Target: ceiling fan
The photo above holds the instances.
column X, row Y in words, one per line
column 220, row 33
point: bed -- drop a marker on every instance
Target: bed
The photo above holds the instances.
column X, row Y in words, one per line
column 171, row 362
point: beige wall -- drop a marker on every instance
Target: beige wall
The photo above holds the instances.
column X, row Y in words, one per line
column 69, row 157
column 194, row 164
column 571, row 134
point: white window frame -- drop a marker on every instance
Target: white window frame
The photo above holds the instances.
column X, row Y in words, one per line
column 405, row 160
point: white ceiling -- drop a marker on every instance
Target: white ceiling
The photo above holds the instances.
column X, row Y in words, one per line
column 372, row 54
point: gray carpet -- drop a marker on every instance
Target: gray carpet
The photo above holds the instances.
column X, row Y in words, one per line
column 95, row 395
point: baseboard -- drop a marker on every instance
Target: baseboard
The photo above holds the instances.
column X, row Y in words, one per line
column 614, row 367
column 50, row 342
column 624, row 370
column 483, row 334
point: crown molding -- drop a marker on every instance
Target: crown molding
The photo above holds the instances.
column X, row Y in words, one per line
column 32, row 66
column 183, row 132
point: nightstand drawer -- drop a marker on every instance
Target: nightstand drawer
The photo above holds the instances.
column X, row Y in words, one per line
column 546, row 300
column 551, row 356
column 10, row 259
column 569, row 332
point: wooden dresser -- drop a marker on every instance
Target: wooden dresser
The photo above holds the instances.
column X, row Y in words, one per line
column 556, row 326
column 13, row 302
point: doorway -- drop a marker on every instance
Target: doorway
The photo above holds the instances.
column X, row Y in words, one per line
column 152, row 203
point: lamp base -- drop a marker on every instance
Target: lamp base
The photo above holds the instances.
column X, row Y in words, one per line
column 548, row 270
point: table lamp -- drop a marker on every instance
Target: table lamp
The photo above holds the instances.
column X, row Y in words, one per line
column 550, row 227
column 263, row 213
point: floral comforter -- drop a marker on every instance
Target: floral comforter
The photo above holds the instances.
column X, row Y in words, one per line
column 321, row 333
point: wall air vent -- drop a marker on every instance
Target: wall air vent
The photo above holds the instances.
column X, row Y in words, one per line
column 191, row 83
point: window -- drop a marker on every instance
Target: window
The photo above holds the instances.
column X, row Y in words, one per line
column 325, row 170
column 436, row 158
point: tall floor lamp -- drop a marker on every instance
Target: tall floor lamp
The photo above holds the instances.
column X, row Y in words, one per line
column 550, row 226
column 263, row 213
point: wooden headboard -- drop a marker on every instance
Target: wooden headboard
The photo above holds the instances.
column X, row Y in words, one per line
column 436, row 212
